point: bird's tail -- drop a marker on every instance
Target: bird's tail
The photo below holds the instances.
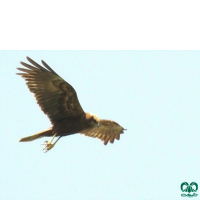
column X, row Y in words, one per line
column 41, row 134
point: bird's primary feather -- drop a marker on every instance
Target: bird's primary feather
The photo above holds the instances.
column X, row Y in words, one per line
column 106, row 131
column 55, row 96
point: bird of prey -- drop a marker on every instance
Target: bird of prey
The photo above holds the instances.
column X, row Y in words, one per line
column 59, row 101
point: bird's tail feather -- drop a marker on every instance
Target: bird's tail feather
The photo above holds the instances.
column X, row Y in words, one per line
column 41, row 134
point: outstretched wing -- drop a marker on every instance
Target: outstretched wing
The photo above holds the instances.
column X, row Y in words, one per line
column 55, row 96
column 106, row 131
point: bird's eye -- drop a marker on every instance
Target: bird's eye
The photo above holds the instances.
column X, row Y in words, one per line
column 96, row 123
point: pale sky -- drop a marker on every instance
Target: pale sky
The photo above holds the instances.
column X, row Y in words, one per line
column 153, row 94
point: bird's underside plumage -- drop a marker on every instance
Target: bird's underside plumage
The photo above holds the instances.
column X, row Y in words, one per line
column 59, row 101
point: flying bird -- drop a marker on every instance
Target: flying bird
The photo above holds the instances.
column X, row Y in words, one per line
column 59, row 101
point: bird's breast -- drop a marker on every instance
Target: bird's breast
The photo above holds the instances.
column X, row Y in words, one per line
column 68, row 126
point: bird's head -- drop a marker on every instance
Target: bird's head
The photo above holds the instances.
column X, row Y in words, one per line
column 92, row 119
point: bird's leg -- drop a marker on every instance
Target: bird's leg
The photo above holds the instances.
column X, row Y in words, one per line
column 49, row 145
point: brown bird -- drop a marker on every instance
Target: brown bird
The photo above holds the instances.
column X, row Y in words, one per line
column 59, row 101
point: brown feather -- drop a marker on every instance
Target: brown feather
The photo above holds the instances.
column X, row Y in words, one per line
column 41, row 134
column 59, row 101
column 55, row 96
column 107, row 131
column 112, row 139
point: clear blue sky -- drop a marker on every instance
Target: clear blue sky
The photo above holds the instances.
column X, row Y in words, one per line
column 154, row 94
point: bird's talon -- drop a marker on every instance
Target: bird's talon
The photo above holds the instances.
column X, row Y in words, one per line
column 47, row 147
